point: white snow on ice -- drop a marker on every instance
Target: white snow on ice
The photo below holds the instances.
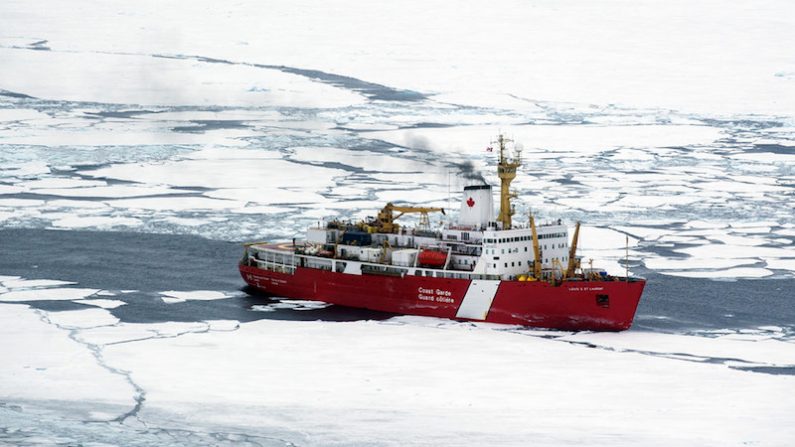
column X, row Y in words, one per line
column 47, row 294
column 175, row 296
column 390, row 376
column 102, row 303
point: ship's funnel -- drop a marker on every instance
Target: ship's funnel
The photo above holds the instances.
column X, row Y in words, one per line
column 477, row 206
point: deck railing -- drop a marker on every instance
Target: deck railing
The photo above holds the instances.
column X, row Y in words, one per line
column 287, row 262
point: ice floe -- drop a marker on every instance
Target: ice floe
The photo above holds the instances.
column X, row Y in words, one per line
column 175, row 203
column 20, row 115
column 175, row 296
column 366, row 160
column 15, row 203
column 178, row 81
column 290, row 304
column 267, row 195
column 98, row 222
column 226, row 173
column 392, row 373
column 739, row 272
column 47, row 294
column 37, row 352
column 19, row 283
column 559, row 138
column 134, row 332
column 102, row 303
column 656, row 263
column 82, row 319
column 51, row 183
column 735, row 251
column 768, row 352
column 781, row 264
column 111, row 191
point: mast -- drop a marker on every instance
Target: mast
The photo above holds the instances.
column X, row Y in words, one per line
column 506, row 170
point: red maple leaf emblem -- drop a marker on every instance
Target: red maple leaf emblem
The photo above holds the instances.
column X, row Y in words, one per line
column 470, row 202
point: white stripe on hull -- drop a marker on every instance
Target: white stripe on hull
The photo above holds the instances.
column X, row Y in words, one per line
column 477, row 301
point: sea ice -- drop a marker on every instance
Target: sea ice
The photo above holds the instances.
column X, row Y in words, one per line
column 29, row 169
column 739, row 272
column 20, row 114
column 42, row 364
column 18, row 283
column 96, row 222
column 584, row 139
column 735, row 251
column 14, row 203
column 47, row 294
column 770, row 352
column 178, row 81
column 175, row 203
column 226, row 173
column 82, row 319
column 660, row 263
column 132, row 332
column 376, row 372
column 104, row 304
column 449, row 51
column 60, row 183
column 267, row 195
column 593, row 238
column 644, row 233
column 366, row 160
column 781, row 264
column 195, row 295
column 111, row 191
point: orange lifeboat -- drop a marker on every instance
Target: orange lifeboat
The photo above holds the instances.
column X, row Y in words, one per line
column 432, row 258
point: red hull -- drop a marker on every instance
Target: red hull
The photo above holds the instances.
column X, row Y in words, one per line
column 574, row 305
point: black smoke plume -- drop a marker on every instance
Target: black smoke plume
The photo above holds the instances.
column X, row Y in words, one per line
column 470, row 172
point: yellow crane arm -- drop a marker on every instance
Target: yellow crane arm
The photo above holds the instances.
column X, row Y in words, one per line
column 386, row 216
column 414, row 209
column 573, row 252
column 536, row 250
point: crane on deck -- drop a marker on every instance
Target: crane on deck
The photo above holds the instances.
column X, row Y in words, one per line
column 536, row 250
column 573, row 262
column 385, row 222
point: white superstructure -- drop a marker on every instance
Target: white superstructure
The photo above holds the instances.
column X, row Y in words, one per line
column 476, row 244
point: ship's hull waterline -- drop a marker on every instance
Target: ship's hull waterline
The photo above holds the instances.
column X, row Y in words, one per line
column 572, row 305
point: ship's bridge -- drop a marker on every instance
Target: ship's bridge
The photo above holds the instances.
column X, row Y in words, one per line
column 510, row 252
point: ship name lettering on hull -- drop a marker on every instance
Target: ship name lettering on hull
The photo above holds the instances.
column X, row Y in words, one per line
column 436, row 295
column 585, row 289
